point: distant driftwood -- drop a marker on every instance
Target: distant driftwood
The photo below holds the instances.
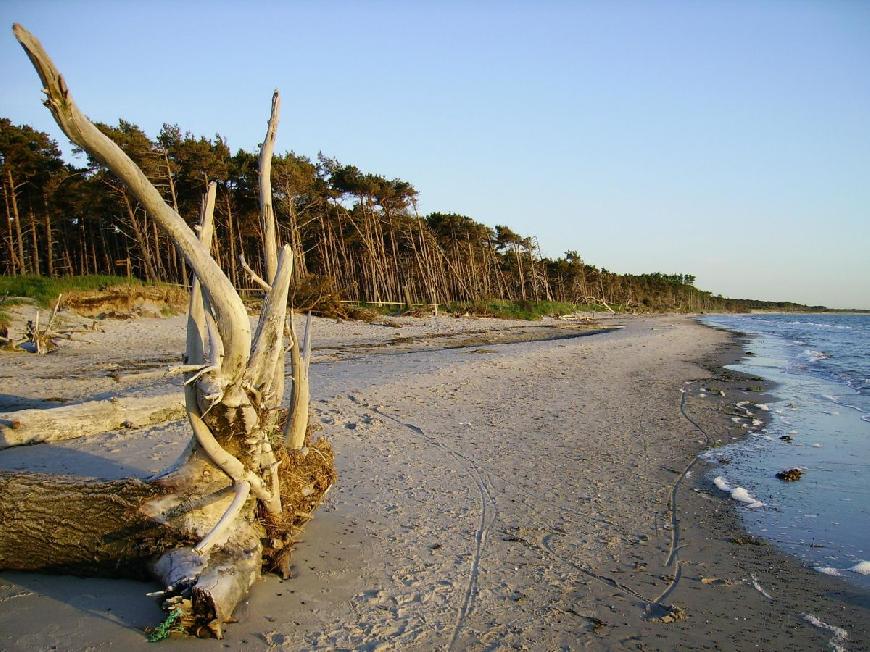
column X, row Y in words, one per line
column 92, row 417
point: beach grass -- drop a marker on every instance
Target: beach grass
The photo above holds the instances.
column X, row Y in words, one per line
column 76, row 290
column 45, row 289
column 496, row 308
column 530, row 310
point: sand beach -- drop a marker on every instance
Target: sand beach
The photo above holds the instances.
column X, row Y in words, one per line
column 502, row 485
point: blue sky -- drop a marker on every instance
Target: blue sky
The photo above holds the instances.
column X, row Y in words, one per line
column 730, row 140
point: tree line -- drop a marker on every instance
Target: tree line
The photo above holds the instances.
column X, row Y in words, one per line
column 355, row 232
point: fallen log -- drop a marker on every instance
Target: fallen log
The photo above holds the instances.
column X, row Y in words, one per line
column 141, row 529
column 89, row 418
column 133, row 528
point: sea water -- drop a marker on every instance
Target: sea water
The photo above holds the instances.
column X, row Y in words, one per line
column 821, row 401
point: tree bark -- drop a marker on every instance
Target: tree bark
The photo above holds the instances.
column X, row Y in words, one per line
column 141, row 238
column 34, row 243
column 172, row 193
column 49, row 237
column 92, row 527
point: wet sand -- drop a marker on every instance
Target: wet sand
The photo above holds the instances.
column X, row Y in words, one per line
column 529, row 495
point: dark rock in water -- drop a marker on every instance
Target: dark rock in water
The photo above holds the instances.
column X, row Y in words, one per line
column 786, row 437
column 790, row 475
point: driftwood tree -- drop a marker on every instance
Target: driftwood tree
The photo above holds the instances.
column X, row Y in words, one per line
column 200, row 526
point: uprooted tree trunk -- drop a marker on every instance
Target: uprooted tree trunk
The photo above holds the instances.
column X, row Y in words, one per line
column 200, row 527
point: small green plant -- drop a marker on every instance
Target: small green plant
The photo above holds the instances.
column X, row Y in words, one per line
column 162, row 631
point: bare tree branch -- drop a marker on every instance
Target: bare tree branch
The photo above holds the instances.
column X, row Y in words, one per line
column 267, row 214
column 300, row 359
column 270, row 329
column 233, row 322
column 197, row 329
column 256, row 278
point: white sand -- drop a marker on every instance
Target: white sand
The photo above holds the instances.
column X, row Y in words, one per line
column 489, row 497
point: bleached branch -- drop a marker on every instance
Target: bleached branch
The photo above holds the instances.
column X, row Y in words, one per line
column 197, row 331
column 267, row 214
column 233, row 322
column 256, row 278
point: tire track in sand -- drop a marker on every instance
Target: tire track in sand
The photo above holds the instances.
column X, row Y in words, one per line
column 488, row 512
column 547, row 546
column 674, row 548
column 674, row 551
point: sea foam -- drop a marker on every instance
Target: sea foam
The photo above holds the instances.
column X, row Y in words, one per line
column 828, row 570
column 862, row 568
column 739, row 494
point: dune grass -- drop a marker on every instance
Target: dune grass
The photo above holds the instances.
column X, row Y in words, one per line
column 44, row 290
column 531, row 310
column 497, row 308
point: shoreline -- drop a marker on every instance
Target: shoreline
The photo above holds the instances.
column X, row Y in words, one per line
column 503, row 495
column 795, row 592
column 758, row 462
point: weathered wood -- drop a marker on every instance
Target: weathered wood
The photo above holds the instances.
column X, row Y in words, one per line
column 253, row 276
column 197, row 328
column 274, row 266
column 268, row 351
column 300, row 360
column 212, row 586
column 76, row 525
column 133, row 528
column 232, row 318
column 205, row 510
column 267, row 214
column 92, row 417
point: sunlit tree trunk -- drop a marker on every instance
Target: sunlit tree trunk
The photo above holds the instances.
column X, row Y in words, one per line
column 17, row 221
column 14, row 264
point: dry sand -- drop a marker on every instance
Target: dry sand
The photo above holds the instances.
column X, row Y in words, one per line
column 491, row 496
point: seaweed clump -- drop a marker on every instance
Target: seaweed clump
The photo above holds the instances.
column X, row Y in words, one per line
column 306, row 476
column 790, row 475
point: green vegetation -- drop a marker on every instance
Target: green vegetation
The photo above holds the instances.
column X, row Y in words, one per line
column 45, row 290
column 520, row 309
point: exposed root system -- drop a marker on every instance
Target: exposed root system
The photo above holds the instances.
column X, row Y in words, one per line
column 306, row 475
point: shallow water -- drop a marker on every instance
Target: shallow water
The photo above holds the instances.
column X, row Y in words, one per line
column 821, row 364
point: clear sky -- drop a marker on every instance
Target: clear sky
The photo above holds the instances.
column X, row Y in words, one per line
column 730, row 140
